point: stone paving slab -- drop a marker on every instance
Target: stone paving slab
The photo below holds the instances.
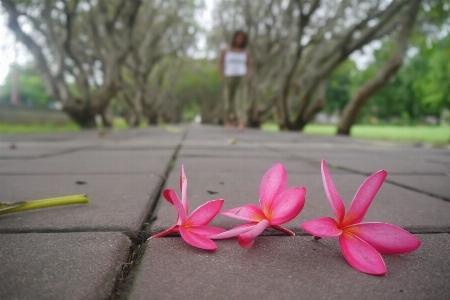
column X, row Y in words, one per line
column 47, row 136
column 214, row 133
column 368, row 163
column 242, row 165
column 95, row 162
column 153, row 139
column 287, row 268
column 31, row 151
column 122, row 169
column 60, row 265
column 46, row 144
column 227, row 151
column 117, row 202
column 426, row 154
column 434, row 185
column 393, row 204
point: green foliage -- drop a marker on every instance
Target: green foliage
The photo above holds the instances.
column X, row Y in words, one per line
column 434, row 84
column 340, row 86
column 198, row 86
column 433, row 134
column 420, row 88
column 31, row 87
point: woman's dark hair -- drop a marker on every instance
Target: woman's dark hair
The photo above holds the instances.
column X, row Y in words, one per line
column 244, row 43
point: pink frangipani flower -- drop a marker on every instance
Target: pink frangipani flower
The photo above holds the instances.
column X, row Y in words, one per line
column 278, row 206
column 361, row 243
column 193, row 227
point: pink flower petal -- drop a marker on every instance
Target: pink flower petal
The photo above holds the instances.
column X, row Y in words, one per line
column 385, row 238
column 173, row 229
column 204, row 213
column 323, row 227
column 287, row 205
column 246, row 239
column 207, row 231
column 332, row 194
column 171, row 196
column 363, row 198
column 273, row 182
column 235, row 231
column 183, row 188
column 250, row 213
column 168, row 194
column 197, row 240
column 360, row 255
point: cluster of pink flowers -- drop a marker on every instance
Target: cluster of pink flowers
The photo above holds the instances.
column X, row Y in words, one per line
column 361, row 243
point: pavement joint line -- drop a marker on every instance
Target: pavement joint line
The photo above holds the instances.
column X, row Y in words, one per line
column 418, row 191
column 90, row 173
column 25, row 231
column 317, row 163
column 125, row 276
column 67, row 151
column 399, row 184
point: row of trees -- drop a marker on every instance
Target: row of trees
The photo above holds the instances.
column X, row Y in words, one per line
column 90, row 52
column 297, row 46
column 138, row 55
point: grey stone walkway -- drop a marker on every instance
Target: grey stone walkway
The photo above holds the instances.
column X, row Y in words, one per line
column 97, row 251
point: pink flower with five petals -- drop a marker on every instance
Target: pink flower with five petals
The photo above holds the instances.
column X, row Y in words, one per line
column 361, row 243
column 193, row 227
column 278, row 206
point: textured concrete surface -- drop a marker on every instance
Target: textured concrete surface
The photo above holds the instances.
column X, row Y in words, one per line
column 224, row 150
column 117, row 202
column 33, row 150
column 288, row 268
column 242, row 165
column 76, row 265
column 95, row 162
column 369, row 163
column 434, row 185
column 75, row 252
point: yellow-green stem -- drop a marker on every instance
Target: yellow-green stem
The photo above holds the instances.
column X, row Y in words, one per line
column 35, row 204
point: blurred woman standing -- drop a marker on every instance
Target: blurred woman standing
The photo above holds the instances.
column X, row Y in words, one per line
column 235, row 69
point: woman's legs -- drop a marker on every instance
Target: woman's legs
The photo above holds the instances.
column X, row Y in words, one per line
column 241, row 96
column 226, row 105
column 235, row 95
column 230, row 92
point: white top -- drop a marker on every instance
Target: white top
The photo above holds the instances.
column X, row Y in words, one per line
column 235, row 63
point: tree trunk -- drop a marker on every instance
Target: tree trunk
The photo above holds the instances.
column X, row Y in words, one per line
column 107, row 117
column 152, row 118
column 318, row 103
column 83, row 117
column 55, row 55
column 252, row 111
column 368, row 89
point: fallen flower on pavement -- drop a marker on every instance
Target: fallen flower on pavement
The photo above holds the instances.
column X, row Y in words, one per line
column 192, row 228
column 361, row 243
column 278, row 206
column 6, row 208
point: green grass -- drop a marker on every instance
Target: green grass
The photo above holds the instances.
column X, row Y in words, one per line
column 118, row 123
column 434, row 134
column 36, row 128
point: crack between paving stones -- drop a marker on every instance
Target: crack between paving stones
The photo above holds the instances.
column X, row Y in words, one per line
column 78, row 174
column 125, row 277
column 72, row 150
column 315, row 163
